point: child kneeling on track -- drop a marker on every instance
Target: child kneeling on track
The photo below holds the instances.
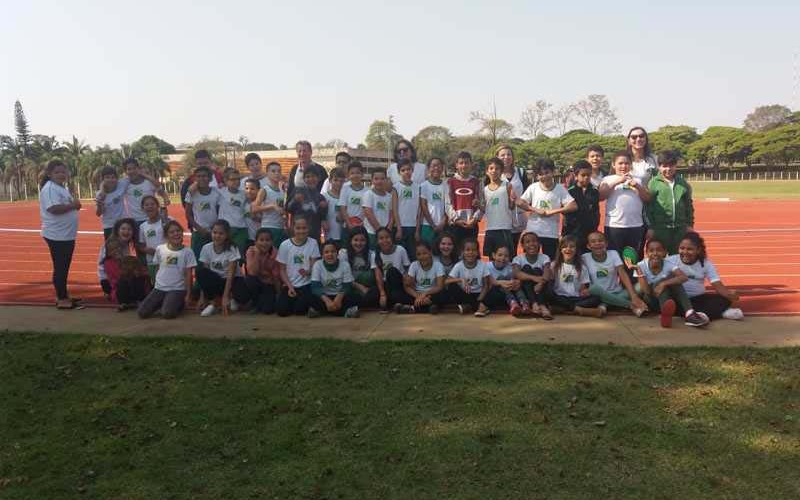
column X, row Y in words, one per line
column 423, row 284
column 124, row 234
column 263, row 276
column 331, row 286
column 218, row 272
column 570, row 282
column 504, row 283
column 660, row 283
column 609, row 277
column 173, row 276
column 697, row 267
column 296, row 257
column 391, row 261
column 367, row 280
column 529, row 268
column 124, row 278
column 469, row 282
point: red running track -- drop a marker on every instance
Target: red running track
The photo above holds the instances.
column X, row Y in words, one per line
column 752, row 243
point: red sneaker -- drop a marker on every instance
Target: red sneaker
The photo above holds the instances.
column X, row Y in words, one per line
column 515, row 310
column 667, row 311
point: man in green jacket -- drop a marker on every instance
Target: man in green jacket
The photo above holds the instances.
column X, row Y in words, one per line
column 670, row 211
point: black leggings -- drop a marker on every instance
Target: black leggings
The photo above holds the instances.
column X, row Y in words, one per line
column 570, row 303
column 213, row 285
column 349, row 300
column 132, row 290
column 294, row 305
column 494, row 298
column 528, row 287
column 712, row 304
column 393, row 283
column 262, row 294
column 61, row 255
column 621, row 237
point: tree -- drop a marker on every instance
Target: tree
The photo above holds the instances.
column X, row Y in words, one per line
column 536, row 119
column 336, row 144
column 720, row 145
column 283, row 147
column 678, row 137
column 779, row 145
column 767, row 117
column 22, row 129
column 490, row 125
column 149, row 142
column 243, row 142
column 74, row 152
column 595, row 115
column 262, row 146
column 378, row 133
column 562, row 117
column 433, row 141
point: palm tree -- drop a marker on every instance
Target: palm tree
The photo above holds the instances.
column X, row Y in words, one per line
column 74, row 151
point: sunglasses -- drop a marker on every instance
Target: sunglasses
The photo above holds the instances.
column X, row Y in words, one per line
column 403, row 150
column 638, row 136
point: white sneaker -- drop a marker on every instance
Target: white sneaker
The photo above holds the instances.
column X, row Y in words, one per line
column 233, row 306
column 208, row 311
column 733, row 313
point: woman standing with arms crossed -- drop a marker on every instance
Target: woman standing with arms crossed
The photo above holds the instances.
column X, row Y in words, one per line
column 59, row 213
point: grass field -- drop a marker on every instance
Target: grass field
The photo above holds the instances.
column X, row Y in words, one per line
column 183, row 418
column 748, row 190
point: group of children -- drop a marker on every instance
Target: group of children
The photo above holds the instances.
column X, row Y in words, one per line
column 412, row 246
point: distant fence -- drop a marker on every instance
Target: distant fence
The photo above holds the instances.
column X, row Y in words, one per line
column 84, row 191
column 730, row 176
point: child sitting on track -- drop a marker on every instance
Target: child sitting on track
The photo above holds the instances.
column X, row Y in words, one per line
column 218, row 272
column 263, row 278
column 331, row 286
column 469, row 282
column 367, row 281
column 423, row 284
column 570, row 282
column 296, row 257
column 609, row 277
column 502, row 273
column 529, row 269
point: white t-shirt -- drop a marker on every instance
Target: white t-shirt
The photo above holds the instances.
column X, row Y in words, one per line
column 133, row 197
column 204, row 207
column 597, row 179
column 447, row 267
column 332, row 281
column 397, row 259
column 381, row 206
column 417, row 176
column 498, row 212
column 697, row 274
column 568, row 283
column 351, row 198
column 407, row 203
column 231, row 207
column 642, row 169
column 434, row 194
column 296, row 257
column 334, row 231
column 425, row 280
column 262, row 182
column 172, row 265
column 252, row 224
column 504, row 274
column 151, row 235
column 623, row 205
column 113, row 205
column 218, row 262
column 273, row 197
column 475, row 275
column 538, row 197
column 604, row 274
column 57, row 227
column 358, row 261
column 522, row 261
column 653, row 278
column 519, row 219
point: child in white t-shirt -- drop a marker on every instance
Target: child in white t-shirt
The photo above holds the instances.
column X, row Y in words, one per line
column 609, row 277
column 110, row 200
column 332, row 225
column 432, row 193
column 218, row 272
column 570, row 282
column 377, row 206
column 270, row 204
column 172, row 290
column 232, row 200
column 423, row 284
column 625, row 197
column 469, row 281
column 391, row 262
column 202, row 206
column 405, row 205
column 499, row 200
column 368, row 280
column 506, row 290
column 296, row 257
column 151, row 232
column 332, row 285
column 529, row 268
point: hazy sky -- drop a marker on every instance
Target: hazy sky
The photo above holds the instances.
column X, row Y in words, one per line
column 278, row 71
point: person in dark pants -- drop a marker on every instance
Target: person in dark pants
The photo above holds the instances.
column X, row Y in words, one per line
column 586, row 218
column 59, row 213
column 625, row 197
column 263, row 277
column 304, row 163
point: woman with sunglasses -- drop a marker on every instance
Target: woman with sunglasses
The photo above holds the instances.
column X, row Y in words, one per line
column 644, row 165
column 404, row 149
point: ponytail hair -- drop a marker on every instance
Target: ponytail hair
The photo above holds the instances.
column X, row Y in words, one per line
column 48, row 171
column 378, row 259
column 226, row 227
column 700, row 243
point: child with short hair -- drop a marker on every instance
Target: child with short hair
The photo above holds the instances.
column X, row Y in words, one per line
column 270, row 204
column 172, row 290
column 405, row 205
column 504, row 283
column 499, row 202
column 308, row 202
column 151, row 232
column 218, row 272
column 232, row 201
column 253, row 163
column 469, row 281
column 570, row 282
column 595, row 156
column 252, row 219
column 263, row 276
column 202, row 205
column 529, row 268
column 349, row 204
column 296, row 257
column 609, row 277
column 391, row 262
column 333, row 220
column 670, row 211
column 377, row 206
column 625, row 197
column 463, row 203
column 586, row 217
column 138, row 185
column 367, row 279
column 110, row 200
column 423, row 284
column 660, row 282
column 331, row 285
column 432, row 195
column 544, row 201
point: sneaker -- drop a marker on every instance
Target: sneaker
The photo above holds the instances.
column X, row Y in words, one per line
column 352, row 312
column 526, row 310
column 312, row 313
column 464, row 309
column 594, row 312
column 696, row 319
column 482, row 311
column 667, row 310
column 233, row 306
column 516, row 310
column 733, row 313
column 639, row 311
column 209, row 310
column 433, row 309
column 403, row 309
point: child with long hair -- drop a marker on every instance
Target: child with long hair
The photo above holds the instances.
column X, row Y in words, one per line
column 469, row 281
column 296, row 257
column 123, row 278
column 504, row 284
column 444, row 252
column 263, row 275
column 391, row 262
column 218, row 272
column 609, row 277
column 173, row 285
column 423, row 284
column 367, row 279
column 151, row 232
column 570, row 282
column 529, row 268
column 660, row 282
column 693, row 260
column 331, row 286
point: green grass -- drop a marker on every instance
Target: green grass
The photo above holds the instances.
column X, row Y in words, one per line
column 183, row 418
column 748, row 190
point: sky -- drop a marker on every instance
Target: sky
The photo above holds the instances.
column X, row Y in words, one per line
column 280, row 71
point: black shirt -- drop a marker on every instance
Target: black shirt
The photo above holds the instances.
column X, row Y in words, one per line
column 587, row 217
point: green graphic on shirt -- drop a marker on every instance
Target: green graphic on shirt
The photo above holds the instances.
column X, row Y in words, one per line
column 387, row 266
column 407, row 194
column 172, row 260
column 248, row 215
column 425, row 282
column 331, row 283
column 436, row 196
column 235, row 202
column 279, row 203
column 545, row 204
column 299, row 259
column 137, row 193
column 567, row 278
column 495, row 201
column 355, row 200
column 473, row 282
column 381, row 205
column 205, row 206
column 151, row 233
column 602, row 273
column 218, row 265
